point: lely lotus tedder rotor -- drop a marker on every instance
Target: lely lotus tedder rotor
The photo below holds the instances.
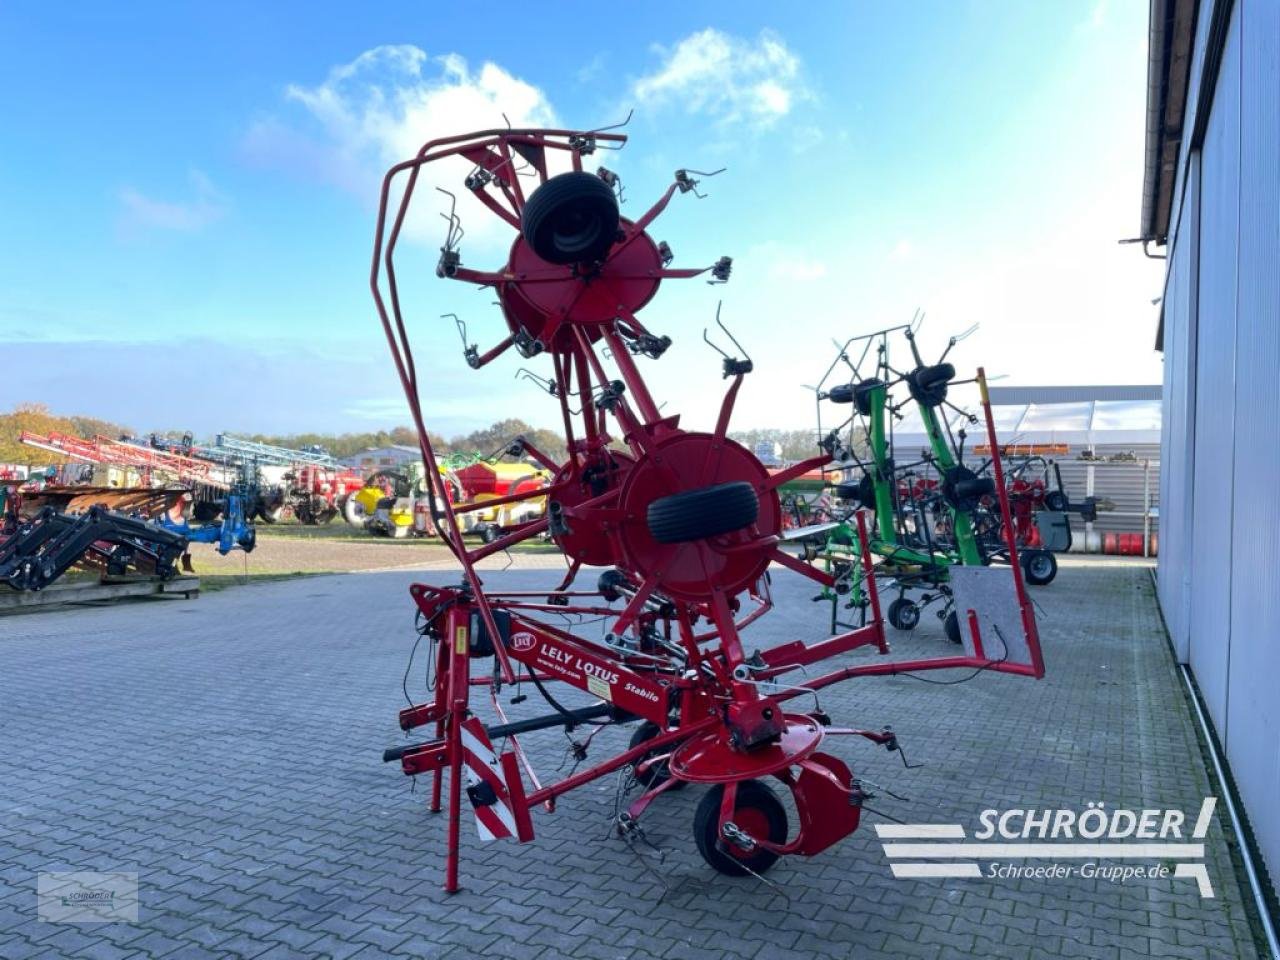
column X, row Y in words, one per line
column 683, row 527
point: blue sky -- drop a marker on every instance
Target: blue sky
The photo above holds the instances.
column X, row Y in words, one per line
column 187, row 194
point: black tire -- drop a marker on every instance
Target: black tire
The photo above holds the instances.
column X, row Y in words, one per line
column 1039, row 567
column 862, row 394
column 841, row 393
column 658, row 773
column 572, row 218
column 951, row 624
column 963, row 489
column 206, row 511
column 903, row 614
column 862, row 493
column 847, row 491
column 490, row 532
column 708, row 512
column 928, row 385
column 1056, row 501
column 754, row 796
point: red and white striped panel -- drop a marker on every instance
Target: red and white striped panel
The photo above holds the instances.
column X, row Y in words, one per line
column 507, row 816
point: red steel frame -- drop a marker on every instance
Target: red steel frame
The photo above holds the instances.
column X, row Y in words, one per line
column 673, row 653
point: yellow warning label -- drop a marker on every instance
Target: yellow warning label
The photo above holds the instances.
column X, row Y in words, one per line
column 598, row 688
column 460, row 641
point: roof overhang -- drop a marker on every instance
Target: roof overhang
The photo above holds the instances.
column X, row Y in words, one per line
column 1171, row 37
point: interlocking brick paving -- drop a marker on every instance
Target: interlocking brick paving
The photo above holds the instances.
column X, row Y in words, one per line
column 228, row 749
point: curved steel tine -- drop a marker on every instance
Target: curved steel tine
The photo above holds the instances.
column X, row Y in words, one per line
column 746, row 356
column 460, row 324
column 545, row 383
column 614, row 126
column 456, row 232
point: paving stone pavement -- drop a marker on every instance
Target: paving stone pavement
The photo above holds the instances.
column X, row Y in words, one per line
column 228, row 749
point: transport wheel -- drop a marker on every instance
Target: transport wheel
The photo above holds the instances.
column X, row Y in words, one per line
column 698, row 514
column 658, row 773
column 1056, row 501
column 951, row 624
column 1039, row 567
column 903, row 614
column 757, row 811
column 572, row 218
column 353, row 510
column 490, row 532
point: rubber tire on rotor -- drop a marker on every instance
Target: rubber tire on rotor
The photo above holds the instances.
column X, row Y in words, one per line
column 1039, row 576
column 862, row 394
column 1056, row 501
column 903, row 614
column 706, row 512
column 841, row 393
column 706, row 824
column 565, row 201
column 951, row 624
column 657, row 775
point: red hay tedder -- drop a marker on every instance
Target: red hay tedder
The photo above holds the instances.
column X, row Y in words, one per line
column 685, row 524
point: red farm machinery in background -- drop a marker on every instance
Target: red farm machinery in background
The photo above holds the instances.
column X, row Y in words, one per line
column 683, row 525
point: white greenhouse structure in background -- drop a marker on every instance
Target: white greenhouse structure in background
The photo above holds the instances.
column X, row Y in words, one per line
column 1108, row 439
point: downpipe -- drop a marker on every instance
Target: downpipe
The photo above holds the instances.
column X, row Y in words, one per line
column 1255, row 883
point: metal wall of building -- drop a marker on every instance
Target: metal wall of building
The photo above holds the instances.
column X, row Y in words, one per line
column 1127, row 484
column 1178, row 412
column 1212, row 451
column 1218, row 586
column 1252, row 719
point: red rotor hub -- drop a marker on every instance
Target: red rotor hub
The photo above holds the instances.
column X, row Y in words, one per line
column 543, row 300
column 680, row 462
column 587, row 542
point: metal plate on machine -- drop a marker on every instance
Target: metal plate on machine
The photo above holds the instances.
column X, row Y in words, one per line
column 1055, row 530
column 991, row 594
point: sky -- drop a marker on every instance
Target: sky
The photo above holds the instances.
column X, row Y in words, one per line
column 188, row 192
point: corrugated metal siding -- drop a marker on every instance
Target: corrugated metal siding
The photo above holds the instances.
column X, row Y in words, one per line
column 1211, row 557
column 1181, row 305
column 1126, row 483
column 1253, row 709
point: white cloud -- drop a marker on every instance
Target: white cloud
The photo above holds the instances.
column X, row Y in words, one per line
column 902, row 250
column 736, row 79
column 141, row 211
column 776, row 262
column 380, row 109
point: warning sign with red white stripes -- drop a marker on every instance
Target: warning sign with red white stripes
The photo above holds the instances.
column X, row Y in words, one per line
column 493, row 786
